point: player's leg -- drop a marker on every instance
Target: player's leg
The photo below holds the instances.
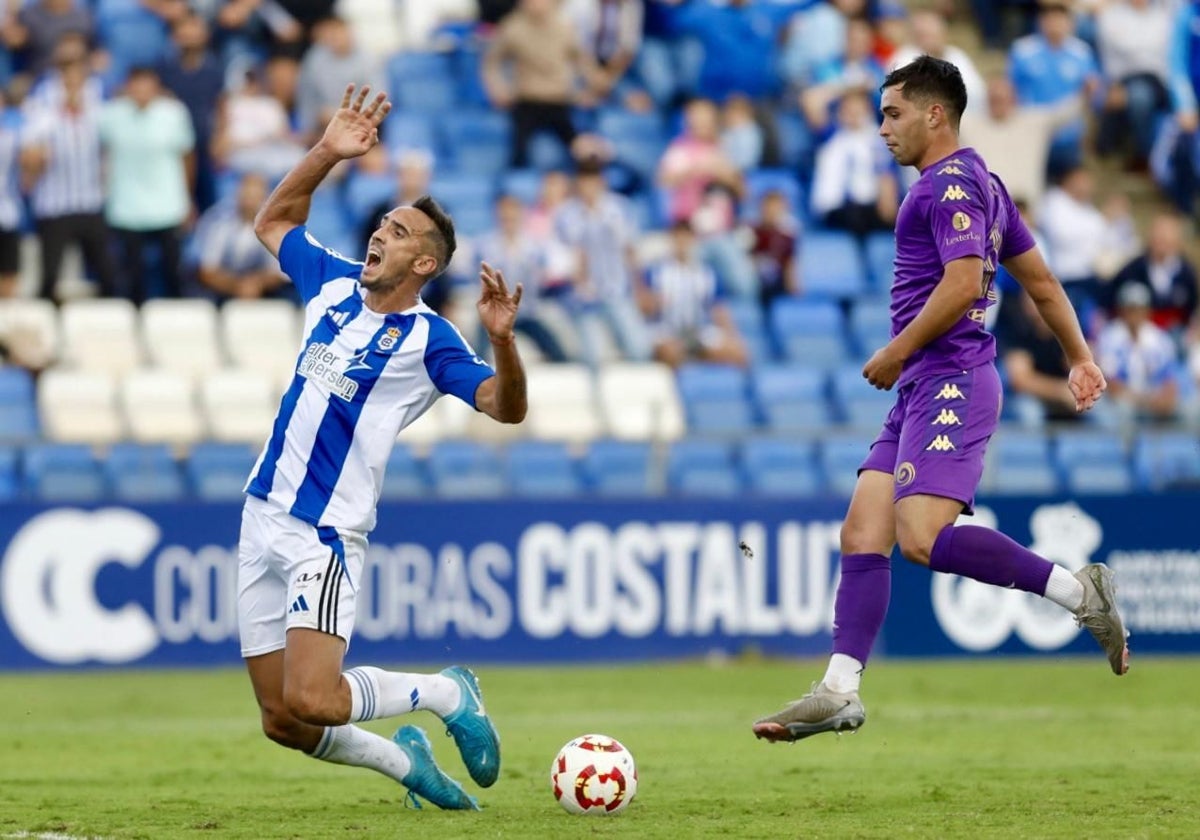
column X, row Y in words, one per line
column 864, row 589
column 315, row 658
column 944, row 441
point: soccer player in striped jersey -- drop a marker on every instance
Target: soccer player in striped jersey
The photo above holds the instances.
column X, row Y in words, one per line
column 374, row 359
column 956, row 225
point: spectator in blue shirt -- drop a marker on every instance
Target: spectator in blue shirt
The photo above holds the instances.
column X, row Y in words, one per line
column 1051, row 66
column 1174, row 160
column 856, row 69
column 815, row 37
column 197, row 79
column 232, row 262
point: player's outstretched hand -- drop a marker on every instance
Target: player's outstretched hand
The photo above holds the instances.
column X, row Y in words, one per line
column 883, row 369
column 497, row 308
column 354, row 128
column 1086, row 382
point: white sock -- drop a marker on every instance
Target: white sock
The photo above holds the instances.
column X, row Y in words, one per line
column 844, row 673
column 1064, row 589
column 359, row 748
column 376, row 693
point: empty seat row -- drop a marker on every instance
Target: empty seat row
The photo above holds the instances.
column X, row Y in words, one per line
column 191, row 337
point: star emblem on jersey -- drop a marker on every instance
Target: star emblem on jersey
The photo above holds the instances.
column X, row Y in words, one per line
column 955, row 193
column 950, row 391
column 941, row 443
column 357, row 362
column 947, row 417
column 960, row 221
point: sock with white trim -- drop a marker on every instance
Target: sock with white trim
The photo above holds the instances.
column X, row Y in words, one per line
column 357, row 747
column 376, row 693
column 1064, row 589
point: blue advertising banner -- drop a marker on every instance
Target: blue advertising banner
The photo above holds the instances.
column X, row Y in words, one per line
column 574, row 581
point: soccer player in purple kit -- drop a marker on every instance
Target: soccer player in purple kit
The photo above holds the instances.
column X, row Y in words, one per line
column 956, row 225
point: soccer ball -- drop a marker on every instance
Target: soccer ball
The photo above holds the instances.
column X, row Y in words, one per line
column 594, row 774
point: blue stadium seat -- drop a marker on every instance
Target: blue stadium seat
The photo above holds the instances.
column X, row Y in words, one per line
column 642, row 156
column 422, row 81
column 546, row 152
column 808, row 331
column 464, row 469
column 778, row 467
column 840, row 456
column 1024, row 479
column 404, row 477
column 619, row 125
column 409, row 130
column 459, row 193
column 791, row 398
column 143, row 473
column 715, row 399
column 365, row 192
column 525, row 184
column 1113, row 478
column 477, row 140
column 860, row 404
column 18, row 406
column 881, row 254
column 870, row 326
column 218, row 471
column 542, row 469
column 330, row 223
column 468, row 65
column 831, row 266
column 1013, row 447
column 10, row 473
column 63, row 472
column 795, row 141
column 761, row 181
column 1167, row 459
column 618, row 468
column 1096, row 448
column 702, row 468
column 747, row 315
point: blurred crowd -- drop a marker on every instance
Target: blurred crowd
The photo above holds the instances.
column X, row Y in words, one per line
column 640, row 165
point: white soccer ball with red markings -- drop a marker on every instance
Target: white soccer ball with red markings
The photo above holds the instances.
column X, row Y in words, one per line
column 594, row 774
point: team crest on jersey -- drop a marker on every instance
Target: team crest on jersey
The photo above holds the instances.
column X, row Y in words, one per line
column 961, row 221
column 388, row 340
column 941, row 443
column 955, row 193
column 905, row 473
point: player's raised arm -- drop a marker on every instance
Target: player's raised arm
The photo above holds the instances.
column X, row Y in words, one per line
column 1085, row 379
column 501, row 397
column 353, row 131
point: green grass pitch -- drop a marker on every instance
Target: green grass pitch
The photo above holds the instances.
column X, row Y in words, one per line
column 996, row 748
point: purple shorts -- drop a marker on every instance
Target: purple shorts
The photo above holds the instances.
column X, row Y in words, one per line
column 934, row 438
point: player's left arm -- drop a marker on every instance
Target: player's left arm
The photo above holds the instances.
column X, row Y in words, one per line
column 501, row 397
column 1085, row 378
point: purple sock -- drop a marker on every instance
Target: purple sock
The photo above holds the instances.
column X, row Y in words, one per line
column 990, row 557
column 861, row 603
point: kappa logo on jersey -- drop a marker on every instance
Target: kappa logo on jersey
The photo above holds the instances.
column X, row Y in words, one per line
column 950, row 169
column 955, row 193
column 950, row 391
column 388, row 340
column 327, row 369
column 947, row 417
column 941, row 443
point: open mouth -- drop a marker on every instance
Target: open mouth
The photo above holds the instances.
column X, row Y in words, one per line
column 374, row 258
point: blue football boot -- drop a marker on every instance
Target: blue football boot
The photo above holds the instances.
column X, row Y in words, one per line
column 425, row 778
column 477, row 739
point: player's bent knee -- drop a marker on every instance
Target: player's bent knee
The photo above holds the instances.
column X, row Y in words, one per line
column 857, row 539
column 283, row 729
column 916, row 546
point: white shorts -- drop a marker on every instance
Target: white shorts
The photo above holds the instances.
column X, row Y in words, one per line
column 293, row 574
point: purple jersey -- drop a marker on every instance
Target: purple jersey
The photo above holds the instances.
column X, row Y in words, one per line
column 956, row 209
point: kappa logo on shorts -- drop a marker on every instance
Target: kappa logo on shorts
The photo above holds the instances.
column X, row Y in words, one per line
column 905, row 473
column 955, row 193
column 950, row 391
column 941, row 443
column 947, row 417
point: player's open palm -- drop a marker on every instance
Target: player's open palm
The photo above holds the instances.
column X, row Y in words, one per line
column 1086, row 382
column 354, row 127
column 497, row 308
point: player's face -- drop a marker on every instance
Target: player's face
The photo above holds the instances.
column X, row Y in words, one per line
column 904, row 128
column 399, row 248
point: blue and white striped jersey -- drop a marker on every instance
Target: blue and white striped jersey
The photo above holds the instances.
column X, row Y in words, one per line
column 361, row 377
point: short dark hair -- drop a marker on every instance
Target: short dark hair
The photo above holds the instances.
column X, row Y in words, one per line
column 442, row 235
column 926, row 80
